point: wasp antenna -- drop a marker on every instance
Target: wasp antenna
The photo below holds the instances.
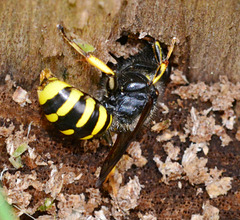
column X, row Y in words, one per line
column 73, row 44
column 163, row 65
column 94, row 61
column 60, row 27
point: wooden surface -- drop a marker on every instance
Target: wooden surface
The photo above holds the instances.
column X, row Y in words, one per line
column 208, row 32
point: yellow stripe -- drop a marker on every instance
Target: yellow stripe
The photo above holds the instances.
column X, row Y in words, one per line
column 110, row 122
column 70, row 102
column 102, row 118
column 160, row 50
column 89, row 108
column 52, row 117
column 87, row 137
column 68, row 132
column 51, row 90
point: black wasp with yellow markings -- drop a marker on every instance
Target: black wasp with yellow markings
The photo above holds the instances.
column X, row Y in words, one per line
column 72, row 111
column 133, row 87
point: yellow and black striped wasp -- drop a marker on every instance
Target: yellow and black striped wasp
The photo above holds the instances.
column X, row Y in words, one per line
column 131, row 96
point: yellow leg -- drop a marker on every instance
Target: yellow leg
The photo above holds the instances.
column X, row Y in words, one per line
column 110, row 174
column 112, row 182
column 162, row 68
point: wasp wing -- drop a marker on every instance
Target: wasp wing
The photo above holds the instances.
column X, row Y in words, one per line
column 121, row 144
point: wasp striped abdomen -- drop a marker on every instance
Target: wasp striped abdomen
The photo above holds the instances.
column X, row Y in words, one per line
column 72, row 111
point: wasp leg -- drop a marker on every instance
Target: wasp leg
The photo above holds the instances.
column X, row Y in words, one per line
column 163, row 65
column 112, row 182
column 94, row 61
column 160, row 71
column 107, row 137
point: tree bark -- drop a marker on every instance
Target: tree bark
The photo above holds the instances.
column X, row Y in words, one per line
column 208, row 32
